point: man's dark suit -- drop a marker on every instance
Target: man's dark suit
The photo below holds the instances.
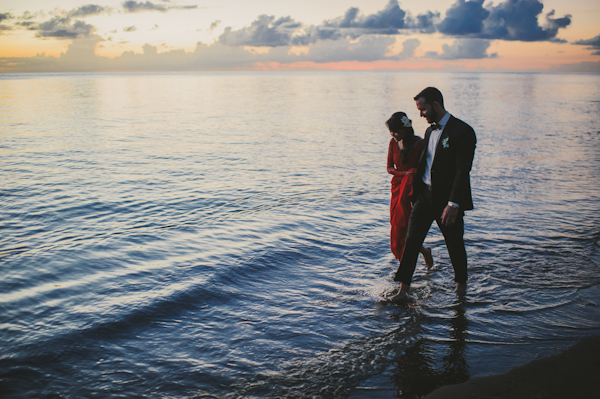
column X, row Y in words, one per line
column 450, row 181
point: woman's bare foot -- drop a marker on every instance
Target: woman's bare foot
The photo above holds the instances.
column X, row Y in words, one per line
column 427, row 256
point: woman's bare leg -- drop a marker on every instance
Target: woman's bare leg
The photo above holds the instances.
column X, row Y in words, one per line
column 426, row 252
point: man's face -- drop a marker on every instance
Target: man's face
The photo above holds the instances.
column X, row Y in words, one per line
column 427, row 111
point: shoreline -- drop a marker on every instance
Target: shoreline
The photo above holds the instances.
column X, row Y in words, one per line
column 574, row 373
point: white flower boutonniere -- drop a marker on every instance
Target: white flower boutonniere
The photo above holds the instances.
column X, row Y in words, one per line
column 445, row 143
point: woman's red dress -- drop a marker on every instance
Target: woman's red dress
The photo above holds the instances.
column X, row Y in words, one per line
column 402, row 190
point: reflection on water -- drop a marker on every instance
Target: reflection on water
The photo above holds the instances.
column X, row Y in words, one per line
column 418, row 370
column 226, row 234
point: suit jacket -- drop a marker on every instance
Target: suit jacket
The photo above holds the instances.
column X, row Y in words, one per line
column 450, row 172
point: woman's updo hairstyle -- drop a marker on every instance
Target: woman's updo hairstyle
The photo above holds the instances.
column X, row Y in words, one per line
column 399, row 121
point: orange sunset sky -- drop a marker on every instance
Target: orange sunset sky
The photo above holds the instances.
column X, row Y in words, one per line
column 181, row 35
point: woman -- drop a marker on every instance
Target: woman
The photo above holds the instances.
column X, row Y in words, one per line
column 403, row 156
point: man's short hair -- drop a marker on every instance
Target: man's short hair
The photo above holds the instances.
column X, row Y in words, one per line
column 431, row 94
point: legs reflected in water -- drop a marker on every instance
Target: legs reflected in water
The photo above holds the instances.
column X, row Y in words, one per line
column 420, row 371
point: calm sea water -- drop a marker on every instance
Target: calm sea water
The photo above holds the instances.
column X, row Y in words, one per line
column 225, row 235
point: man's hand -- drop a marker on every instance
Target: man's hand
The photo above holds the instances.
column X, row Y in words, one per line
column 449, row 215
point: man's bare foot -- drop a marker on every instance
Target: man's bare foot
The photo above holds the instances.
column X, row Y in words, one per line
column 426, row 251
column 461, row 288
column 398, row 298
column 401, row 296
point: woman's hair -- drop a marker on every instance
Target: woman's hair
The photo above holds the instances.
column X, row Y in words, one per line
column 399, row 121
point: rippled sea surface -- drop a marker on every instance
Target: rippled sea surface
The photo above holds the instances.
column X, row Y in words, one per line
column 226, row 235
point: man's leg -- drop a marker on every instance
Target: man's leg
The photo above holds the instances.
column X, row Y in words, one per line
column 418, row 226
column 453, row 235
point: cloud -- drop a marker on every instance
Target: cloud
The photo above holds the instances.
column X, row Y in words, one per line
column 464, row 18
column 511, row 20
column 140, row 6
column 64, row 28
column 387, row 21
column 135, row 6
column 424, row 23
column 463, row 49
column 5, row 16
column 90, row 9
column 80, row 56
column 518, row 20
column 267, row 31
column 593, row 43
column 365, row 49
column 408, row 50
column 351, row 37
column 264, row 31
column 580, row 67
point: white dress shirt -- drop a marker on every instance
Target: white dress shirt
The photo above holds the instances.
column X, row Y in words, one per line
column 434, row 138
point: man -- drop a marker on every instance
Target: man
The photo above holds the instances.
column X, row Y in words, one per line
column 442, row 189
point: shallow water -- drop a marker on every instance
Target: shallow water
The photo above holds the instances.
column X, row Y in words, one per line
column 226, row 234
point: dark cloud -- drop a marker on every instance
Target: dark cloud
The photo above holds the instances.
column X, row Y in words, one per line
column 29, row 25
column 387, row 21
column 463, row 49
column 130, row 29
column 518, row 20
column 593, row 43
column 265, row 31
column 425, row 23
column 464, row 18
column 215, row 24
column 314, row 34
column 5, row 16
column 135, row 6
column 511, row 20
column 64, row 28
column 271, row 32
column 87, row 10
column 140, row 6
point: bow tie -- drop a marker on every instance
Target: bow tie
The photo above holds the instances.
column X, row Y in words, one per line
column 435, row 126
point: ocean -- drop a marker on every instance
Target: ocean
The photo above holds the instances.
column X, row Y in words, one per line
column 226, row 234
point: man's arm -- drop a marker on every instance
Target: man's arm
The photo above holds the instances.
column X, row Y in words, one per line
column 464, row 161
column 466, row 143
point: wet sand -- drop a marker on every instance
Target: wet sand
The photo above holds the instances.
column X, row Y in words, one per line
column 574, row 373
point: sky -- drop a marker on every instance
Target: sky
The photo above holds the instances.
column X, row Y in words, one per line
column 187, row 35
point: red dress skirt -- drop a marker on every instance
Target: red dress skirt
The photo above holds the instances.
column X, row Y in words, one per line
column 402, row 190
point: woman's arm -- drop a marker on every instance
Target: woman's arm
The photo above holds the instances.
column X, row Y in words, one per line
column 391, row 169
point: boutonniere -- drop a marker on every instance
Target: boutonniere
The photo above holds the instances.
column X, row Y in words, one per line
column 445, row 143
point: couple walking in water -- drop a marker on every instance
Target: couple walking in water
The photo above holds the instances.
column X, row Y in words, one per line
column 431, row 181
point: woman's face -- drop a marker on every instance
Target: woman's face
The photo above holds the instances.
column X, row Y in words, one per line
column 398, row 135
